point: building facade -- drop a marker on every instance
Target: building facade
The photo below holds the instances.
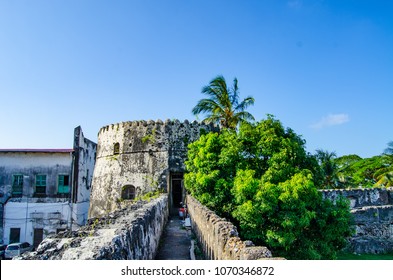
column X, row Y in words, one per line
column 44, row 191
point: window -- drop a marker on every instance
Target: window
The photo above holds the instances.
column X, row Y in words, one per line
column 128, row 192
column 116, row 148
column 40, row 184
column 17, row 184
column 14, row 235
column 63, row 184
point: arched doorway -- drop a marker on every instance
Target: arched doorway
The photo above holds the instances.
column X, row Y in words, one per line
column 128, row 192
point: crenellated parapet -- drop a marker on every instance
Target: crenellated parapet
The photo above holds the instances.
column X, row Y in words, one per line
column 145, row 136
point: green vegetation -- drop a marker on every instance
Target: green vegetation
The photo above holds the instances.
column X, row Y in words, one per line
column 262, row 179
column 346, row 256
column 353, row 171
column 150, row 195
column 150, row 137
column 93, row 226
column 222, row 105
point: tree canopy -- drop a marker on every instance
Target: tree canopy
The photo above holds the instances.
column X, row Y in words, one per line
column 354, row 171
column 262, row 179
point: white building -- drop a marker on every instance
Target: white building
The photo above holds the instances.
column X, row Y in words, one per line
column 44, row 191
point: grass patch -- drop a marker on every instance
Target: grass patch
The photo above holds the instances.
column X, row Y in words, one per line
column 346, row 256
column 150, row 195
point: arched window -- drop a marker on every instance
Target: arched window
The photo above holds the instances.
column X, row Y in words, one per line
column 116, row 148
column 128, row 192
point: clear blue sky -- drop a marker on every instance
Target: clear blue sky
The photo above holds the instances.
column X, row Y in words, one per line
column 324, row 68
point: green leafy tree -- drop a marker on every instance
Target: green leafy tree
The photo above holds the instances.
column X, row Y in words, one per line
column 371, row 172
column 344, row 163
column 262, row 178
column 222, row 105
column 291, row 217
column 211, row 165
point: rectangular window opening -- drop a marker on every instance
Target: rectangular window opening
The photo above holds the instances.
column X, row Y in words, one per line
column 40, row 184
column 63, row 184
column 17, row 185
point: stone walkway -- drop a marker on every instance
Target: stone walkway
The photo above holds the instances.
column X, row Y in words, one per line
column 175, row 241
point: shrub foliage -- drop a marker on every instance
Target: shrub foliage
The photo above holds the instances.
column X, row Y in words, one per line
column 262, row 179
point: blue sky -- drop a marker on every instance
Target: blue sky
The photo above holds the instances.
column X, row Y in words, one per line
column 323, row 68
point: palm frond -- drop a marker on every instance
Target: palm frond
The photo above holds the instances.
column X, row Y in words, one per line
column 234, row 94
column 206, row 106
column 245, row 116
column 247, row 102
column 222, row 105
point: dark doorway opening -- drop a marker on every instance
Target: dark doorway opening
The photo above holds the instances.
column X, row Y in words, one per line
column 38, row 236
column 177, row 189
column 14, row 235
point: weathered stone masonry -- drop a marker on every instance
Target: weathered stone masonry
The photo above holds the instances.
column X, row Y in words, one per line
column 372, row 211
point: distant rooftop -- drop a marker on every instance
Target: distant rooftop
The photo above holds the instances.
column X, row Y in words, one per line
column 36, row 150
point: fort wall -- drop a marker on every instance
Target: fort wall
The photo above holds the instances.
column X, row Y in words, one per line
column 219, row 238
column 372, row 212
column 132, row 233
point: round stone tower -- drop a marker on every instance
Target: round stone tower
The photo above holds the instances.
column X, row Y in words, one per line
column 137, row 157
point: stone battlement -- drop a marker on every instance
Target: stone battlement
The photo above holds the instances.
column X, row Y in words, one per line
column 144, row 123
column 142, row 136
column 360, row 197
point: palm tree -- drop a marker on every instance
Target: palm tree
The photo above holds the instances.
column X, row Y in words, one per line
column 389, row 150
column 329, row 167
column 385, row 175
column 222, row 105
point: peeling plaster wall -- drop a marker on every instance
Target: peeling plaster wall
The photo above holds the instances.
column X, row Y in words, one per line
column 372, row 211
column 219, row 238
column 132, row 233
column 30, row 164
column 84, row 161
column 18, row 211
column 149, row 151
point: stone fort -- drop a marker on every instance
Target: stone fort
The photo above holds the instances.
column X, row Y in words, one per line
column 138, row 157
